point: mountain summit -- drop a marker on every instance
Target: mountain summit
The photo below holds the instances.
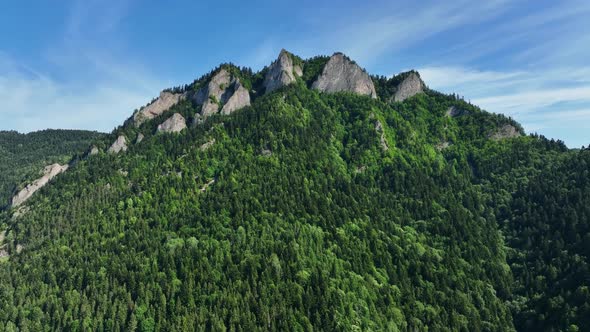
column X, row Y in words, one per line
column 308, row 196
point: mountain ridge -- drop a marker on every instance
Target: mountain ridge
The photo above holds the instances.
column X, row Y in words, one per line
column 305, row 210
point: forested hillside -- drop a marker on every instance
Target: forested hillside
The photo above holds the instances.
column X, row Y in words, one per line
column 23, row 156
column 308, row 211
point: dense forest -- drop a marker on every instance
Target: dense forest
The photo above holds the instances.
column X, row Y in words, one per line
column 23, row 156
column 309, row 211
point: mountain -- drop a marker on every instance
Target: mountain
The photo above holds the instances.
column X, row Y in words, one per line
column 310, row 195
column 24, row 156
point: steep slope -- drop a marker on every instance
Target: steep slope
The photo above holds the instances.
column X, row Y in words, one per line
column 23, row 156
column 342, row 74
column 302, row 210
column 282, row 72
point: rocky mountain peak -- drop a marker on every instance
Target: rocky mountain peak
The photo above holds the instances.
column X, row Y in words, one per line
column 342, row 74
column 409, row 87
column 223, row 91
column 282, row 72
column 157, row 107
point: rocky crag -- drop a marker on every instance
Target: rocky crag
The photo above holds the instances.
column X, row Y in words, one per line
column 342, row 74
column 409, row 87
column 48, row 173
column 282, row 72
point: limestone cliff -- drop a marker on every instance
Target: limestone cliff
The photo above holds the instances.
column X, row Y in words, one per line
column 506, row 131
column 341, row 74
column 223, row 91
column 176, row 123
column 119, row 145
column 157, row 107
column 281, row 72
column 48, row 173
column 410, row 86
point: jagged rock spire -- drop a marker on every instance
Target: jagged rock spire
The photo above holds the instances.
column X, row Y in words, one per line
column 410, row 86
column 341, row 74
column 282, row 72
column 223, row 91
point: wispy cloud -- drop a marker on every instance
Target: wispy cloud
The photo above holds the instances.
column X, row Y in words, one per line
column 367, row 36
column 542, row 100
column 96, row 87
column 31, row 101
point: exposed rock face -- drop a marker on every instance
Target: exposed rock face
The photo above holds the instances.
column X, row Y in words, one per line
column 176, row 123
column 410, row 86
column 139, row 138
column 3, row 251
column 119, row 145
column 207, row 145
column 19, row 212
column 48, row 173
column 197, row 120
column 443, row 145
column 341, row 74
column 379, row 129
column 506, row 131
column 454, row 112
column 281, row 72
column 206, row 185
column 157, row 107
column 92, row 150
column 213, row 94
column 223, row 89
column 240, row 98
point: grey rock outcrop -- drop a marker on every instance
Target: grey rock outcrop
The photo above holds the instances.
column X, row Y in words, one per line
column 281, row 72
column 443, row 145
column 207, row 145
column 240, row 98
column 119, row 145
column 454, row 112
column 197, row 120
column 381, row 132
column 410, row 86
column 48, row 173
column 341, row 74
column 176, row 123
column 157, row 107
column 207, row 185
column 506, row 131
column 222, row 89
column 92, row 150
column 139, row 138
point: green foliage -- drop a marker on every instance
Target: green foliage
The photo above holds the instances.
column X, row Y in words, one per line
column 296, row 218
column 546, row 222
column 312, row 68
column 23, row 156
column 387, row 87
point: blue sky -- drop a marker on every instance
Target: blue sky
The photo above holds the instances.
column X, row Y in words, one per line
column 88, row 63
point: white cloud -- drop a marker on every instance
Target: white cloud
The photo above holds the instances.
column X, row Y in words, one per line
column 32, row 101
column 526, row 101
column 367, row 35
column 548, row 101
column 97, row 87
